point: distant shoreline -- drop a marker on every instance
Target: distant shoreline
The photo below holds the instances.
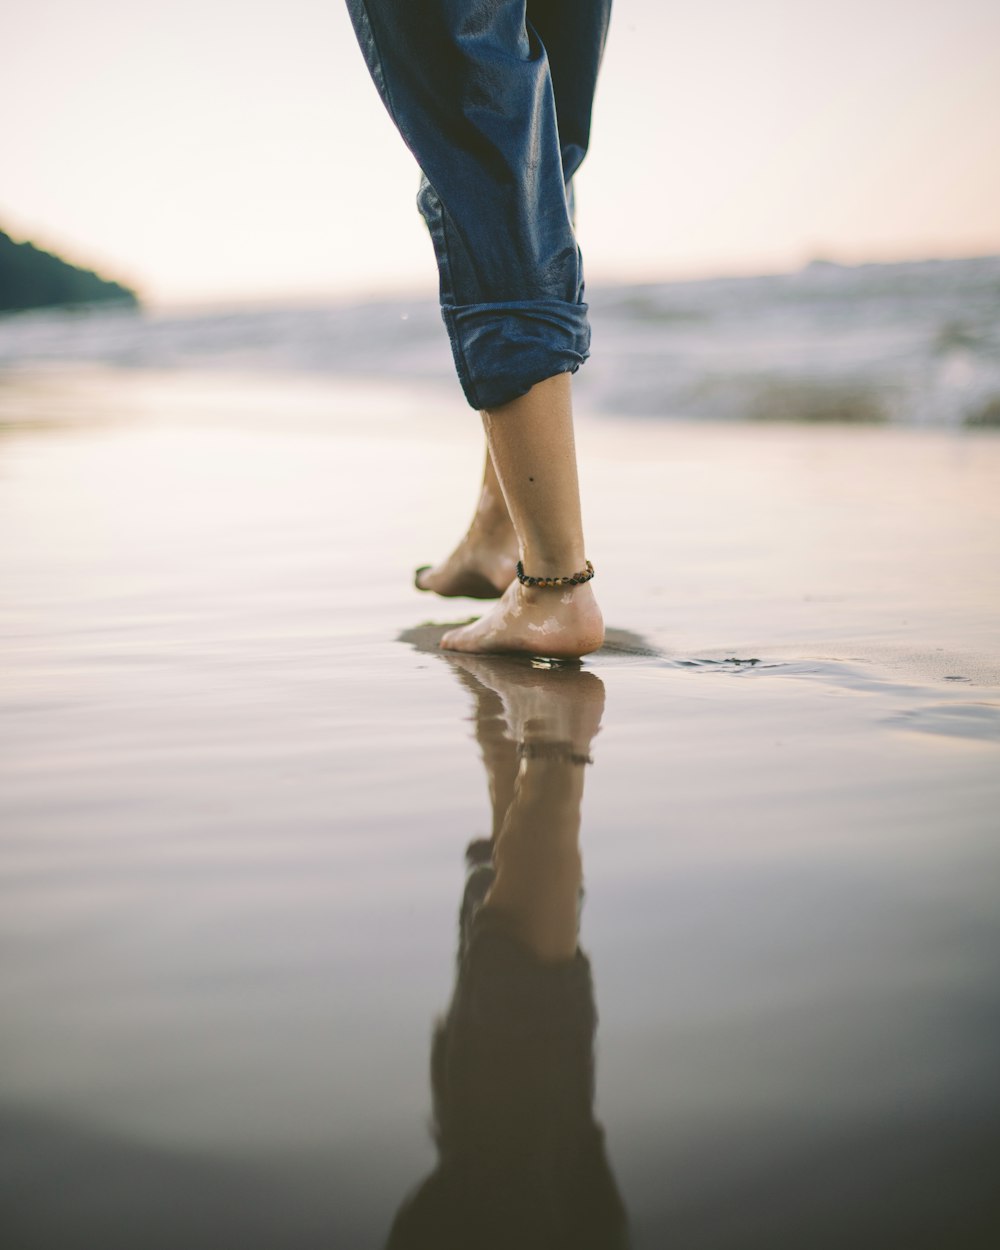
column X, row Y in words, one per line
column 33, row 278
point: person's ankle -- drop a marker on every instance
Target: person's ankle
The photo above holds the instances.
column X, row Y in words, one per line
column 565, row 561
column 492, row 525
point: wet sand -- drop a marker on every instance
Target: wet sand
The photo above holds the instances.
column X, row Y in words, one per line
column 239, row 782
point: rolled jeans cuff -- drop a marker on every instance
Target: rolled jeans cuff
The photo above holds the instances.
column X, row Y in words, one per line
column 501, row 350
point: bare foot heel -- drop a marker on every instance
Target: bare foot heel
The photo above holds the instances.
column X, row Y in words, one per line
column 565, row 624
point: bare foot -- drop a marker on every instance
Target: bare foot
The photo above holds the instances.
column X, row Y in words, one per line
column 480, row 567
column 530, row 620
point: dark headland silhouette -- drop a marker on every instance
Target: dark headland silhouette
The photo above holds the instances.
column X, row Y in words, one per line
column 31, row 278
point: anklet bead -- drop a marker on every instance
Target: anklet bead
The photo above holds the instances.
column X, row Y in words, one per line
column 575, row 579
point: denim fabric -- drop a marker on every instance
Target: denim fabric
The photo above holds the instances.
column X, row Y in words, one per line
column 493, row 98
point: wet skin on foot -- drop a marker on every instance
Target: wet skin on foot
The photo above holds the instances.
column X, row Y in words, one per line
column 561, row 623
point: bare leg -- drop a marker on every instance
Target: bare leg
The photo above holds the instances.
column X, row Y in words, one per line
column 534, row 454
column 482, row 564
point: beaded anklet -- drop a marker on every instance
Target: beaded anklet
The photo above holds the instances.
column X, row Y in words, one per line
column 577, row 579
column 548, row 750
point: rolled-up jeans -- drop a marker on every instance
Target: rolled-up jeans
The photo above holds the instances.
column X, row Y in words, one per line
column 494, row 98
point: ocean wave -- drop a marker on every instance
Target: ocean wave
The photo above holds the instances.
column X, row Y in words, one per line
column 909, row 343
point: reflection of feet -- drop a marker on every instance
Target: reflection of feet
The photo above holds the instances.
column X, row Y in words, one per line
column 476, row 569
column 538, row 705
column 561, row 624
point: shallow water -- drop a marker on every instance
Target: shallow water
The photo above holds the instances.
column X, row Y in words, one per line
column 239, row 784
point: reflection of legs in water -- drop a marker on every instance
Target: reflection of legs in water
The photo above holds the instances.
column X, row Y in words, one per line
column 521, row 1159
column 515, row 704
column 535, row 734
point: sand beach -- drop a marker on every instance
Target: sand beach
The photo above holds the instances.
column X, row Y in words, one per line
column 239, row 781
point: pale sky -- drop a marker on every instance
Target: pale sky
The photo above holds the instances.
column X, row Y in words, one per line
column 215, row 150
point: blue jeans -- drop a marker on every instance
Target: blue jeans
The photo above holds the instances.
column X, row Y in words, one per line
column 493, row 98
